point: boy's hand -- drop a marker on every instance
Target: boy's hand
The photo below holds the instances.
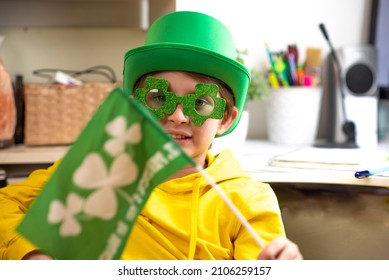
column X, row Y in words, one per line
column 281, row 248
column 36, row 255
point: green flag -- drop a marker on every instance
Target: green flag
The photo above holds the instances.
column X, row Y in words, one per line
column 89, row 205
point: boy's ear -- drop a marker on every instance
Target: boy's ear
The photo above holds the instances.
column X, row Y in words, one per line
column 227, row 121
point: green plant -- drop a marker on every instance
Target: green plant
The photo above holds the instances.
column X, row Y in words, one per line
column 259, row 88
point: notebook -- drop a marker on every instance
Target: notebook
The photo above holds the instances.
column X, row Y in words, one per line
column 331, row 158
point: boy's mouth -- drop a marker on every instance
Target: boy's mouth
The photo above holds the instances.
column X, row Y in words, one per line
column 179, row 137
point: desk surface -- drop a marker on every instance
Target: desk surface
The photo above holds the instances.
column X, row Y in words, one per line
column 20, row 154
column 254, row 157
column 256, row 154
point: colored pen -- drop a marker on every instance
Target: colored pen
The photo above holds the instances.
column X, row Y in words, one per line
column 273, row 80
column 367, row 173
column 270, row 56
column 293, row 67
column 272, row 63
column 292, row 49
column 300, row 75
column 280, row 68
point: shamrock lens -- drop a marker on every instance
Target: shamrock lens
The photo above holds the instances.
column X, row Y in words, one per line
column 155, row 99
column 204, row 105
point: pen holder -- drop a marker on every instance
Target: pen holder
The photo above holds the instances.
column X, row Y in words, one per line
column 292, row 115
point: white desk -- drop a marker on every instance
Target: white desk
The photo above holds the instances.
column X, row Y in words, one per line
column 19, row 161
column 330, row 214
column 20, row 154
column 255, row 155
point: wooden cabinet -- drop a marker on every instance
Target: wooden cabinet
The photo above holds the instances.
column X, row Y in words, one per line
column 82, row 13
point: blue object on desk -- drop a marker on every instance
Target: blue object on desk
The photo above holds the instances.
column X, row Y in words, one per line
column 367, row 173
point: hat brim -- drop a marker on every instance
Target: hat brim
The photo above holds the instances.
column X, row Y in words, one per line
column 181, row 57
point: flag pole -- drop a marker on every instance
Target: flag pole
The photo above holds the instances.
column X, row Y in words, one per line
column 233, row 208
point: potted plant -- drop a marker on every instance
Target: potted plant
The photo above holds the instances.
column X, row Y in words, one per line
column 259, row 89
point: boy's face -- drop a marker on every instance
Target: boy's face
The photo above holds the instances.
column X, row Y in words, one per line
column 195, row 139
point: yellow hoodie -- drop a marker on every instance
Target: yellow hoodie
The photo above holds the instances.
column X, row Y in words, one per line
column 184, row 218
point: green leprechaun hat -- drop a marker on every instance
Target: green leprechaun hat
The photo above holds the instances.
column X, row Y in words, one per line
column 193, row 42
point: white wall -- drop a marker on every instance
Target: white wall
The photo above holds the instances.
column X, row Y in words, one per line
column 282, row 22
column 252, row 23
column 27, row 49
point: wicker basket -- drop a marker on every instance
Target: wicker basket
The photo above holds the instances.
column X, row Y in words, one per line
column 55, row 114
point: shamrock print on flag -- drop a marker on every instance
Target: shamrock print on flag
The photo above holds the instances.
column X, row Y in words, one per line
column 99, row 188
column 60, row 213
column 93, row 174
column 118, row 129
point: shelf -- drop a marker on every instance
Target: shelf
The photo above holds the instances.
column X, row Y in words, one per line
column 20, row 154
column 82, row 13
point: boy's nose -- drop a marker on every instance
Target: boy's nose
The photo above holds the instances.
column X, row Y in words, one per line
column 178, row 116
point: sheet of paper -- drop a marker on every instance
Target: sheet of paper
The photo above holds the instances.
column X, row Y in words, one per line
column 332, row 158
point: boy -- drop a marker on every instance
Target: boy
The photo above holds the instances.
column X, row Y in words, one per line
column 187, row 75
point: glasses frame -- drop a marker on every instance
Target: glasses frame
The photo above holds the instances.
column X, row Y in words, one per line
column 187, row 101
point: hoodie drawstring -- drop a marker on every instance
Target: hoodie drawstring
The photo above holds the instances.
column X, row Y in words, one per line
column 194, row 220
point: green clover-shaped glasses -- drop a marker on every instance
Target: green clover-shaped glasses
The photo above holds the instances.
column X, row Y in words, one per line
column 200, row 106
